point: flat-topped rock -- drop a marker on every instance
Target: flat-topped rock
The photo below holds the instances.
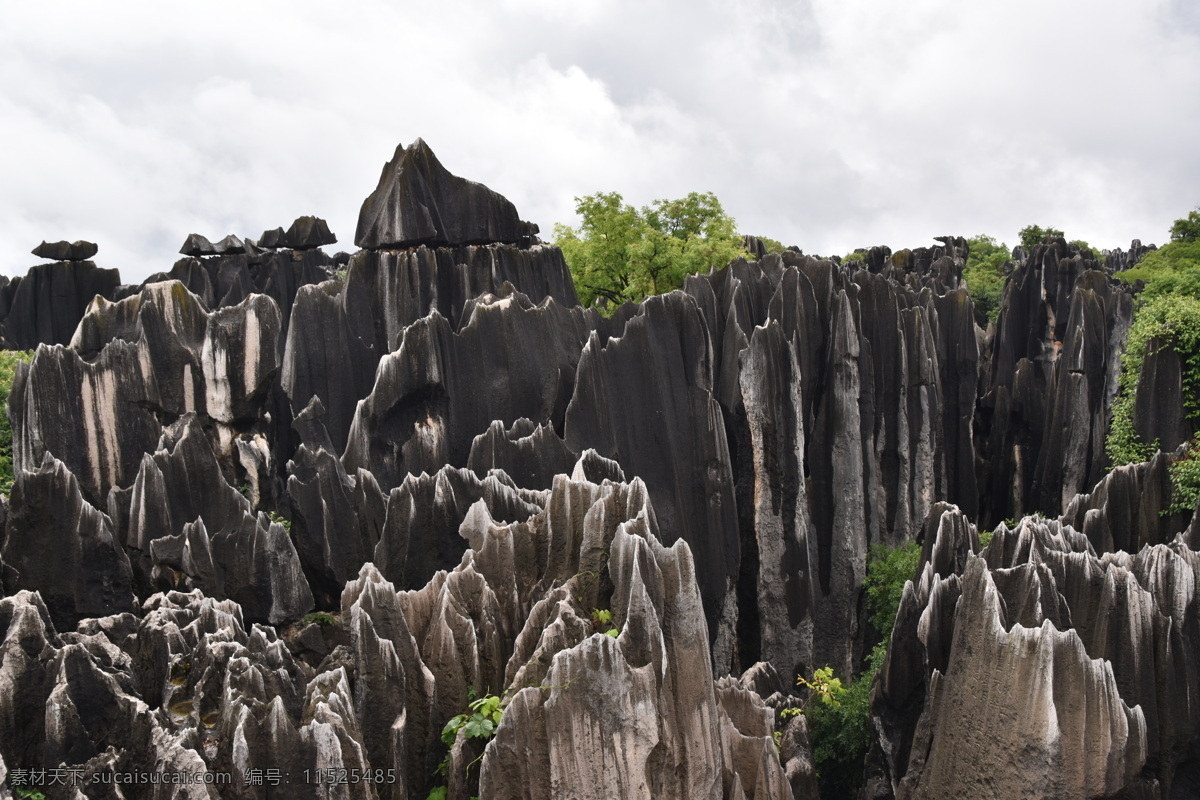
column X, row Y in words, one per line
column 419, row 202
column 307, row 233
column 66, row 251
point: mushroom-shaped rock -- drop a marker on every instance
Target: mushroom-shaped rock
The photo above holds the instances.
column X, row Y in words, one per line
column 66, row 251
column 307, row 233
column 419, row 202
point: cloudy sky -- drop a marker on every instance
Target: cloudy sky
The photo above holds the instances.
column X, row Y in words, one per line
column 829, row 124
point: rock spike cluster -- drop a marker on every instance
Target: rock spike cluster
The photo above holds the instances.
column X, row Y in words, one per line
column 432, row 445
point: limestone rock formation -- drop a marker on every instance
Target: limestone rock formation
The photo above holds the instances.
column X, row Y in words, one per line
column 1052, row 671
column 419, row 202
column 487, row 491
column 66, row 251
column 45, row 305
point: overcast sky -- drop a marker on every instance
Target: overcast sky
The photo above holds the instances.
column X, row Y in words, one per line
column 829, row 124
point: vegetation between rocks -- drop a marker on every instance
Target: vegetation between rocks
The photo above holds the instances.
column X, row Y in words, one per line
column 1168, row 314
column 839, row 725
column 8, row 370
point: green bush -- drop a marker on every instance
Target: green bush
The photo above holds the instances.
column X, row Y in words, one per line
column 1185, row 481
column 984, row 273
column 1172, row 318
column 840, row 731
column 8, row 369
column 1173, row 269
column 841, row 734
column 888, row 570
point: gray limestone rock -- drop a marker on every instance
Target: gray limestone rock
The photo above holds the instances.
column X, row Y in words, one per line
column 63, row 547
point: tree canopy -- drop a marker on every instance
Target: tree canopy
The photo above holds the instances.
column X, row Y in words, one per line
column 1187, row 229
column 620, row 253
column 1032, row 235
column 984, row 273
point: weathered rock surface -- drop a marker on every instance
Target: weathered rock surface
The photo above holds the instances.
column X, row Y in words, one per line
column 1051, row 383
column 462, row 468
column 339, row 332
column 66, row 251
column 1052, row 671
column 45, row 306
column 419, row 202
column 441, row 388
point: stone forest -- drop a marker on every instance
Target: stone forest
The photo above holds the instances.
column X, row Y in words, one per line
column 411, row 523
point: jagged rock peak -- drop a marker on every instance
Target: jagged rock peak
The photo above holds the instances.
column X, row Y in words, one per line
column 419, row 202
column 196, row 245
column 66, row 251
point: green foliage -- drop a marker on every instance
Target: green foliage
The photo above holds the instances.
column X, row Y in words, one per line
column 857, row 255
column 824, row 686
column 841, row 734
column 602, row 622
column 275, row 516
column 1172, row 269
column 1174, row 319
column 839, row 725
column 985, row 275
column 480, row 722
column 1033, row 235
column 888, row 570
column 318, row 618
column 772, row 245
column 1185, row 481
column 1187, row 229
column 8, row 369
column 985, row 538
column 620, row 253
column 28, row 793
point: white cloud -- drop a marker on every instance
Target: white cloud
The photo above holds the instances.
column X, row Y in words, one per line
column 829, row 124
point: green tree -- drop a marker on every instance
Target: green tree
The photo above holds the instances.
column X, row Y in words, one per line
column 984, row 273
column 619, row 253
column 1032, row 236
column 1187, row 229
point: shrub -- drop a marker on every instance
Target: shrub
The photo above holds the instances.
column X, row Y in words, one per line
column 839, row 725
column 8, row 370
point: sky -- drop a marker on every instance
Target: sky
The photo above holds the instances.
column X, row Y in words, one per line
column 827, row 124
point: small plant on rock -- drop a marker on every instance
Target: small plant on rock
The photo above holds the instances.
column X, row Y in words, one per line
column 480, row 722
column 602, row 622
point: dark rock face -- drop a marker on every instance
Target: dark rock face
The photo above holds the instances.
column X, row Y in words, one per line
column 440, row 388
column 419, row 202
column 341, row 332
column 63, row 547
column 66, row 251
column 47, row 304
column 1053, row 376
column 307, row 233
